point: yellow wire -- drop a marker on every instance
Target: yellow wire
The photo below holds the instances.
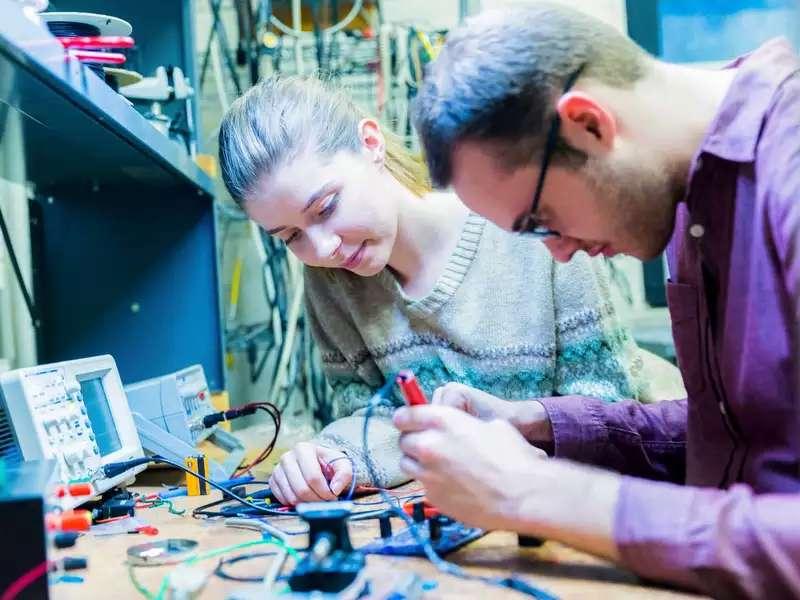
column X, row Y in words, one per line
column 426, row 43
column 236, row 283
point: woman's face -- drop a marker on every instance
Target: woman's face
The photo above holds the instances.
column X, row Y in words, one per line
column 333, row 212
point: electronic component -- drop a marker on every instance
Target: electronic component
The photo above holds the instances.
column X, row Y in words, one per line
column 24, row 500
column 330, row 565
column 445, row 536
column 75, row 412
column 194, row 485
column 169, row 411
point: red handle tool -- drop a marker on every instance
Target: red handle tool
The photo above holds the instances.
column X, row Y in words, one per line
column 409, row 385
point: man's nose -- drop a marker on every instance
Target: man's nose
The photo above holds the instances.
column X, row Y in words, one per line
column 562, row 248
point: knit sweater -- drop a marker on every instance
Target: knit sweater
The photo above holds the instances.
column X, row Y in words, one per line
column 503, row 317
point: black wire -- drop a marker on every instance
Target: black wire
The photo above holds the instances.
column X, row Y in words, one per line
column 220, row 572
column 32, row 310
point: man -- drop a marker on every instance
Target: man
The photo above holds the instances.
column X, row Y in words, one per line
column 554, row 125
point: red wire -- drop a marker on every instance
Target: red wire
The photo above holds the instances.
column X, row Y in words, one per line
column 25, row 580
column 275, row 413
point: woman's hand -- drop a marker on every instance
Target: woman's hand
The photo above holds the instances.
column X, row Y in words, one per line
column 300, row 476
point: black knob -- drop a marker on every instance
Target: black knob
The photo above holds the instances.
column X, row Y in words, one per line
column 386, row 526
column 418, row 512
column 435, row 528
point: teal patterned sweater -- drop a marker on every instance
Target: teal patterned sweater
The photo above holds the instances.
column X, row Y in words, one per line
column 503, row 317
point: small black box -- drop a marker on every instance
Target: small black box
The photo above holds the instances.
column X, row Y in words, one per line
column 24, row 494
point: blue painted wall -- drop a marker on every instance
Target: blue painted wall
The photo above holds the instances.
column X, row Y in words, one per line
column 718, row 30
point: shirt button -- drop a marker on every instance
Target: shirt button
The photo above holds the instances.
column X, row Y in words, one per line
column 696, row 231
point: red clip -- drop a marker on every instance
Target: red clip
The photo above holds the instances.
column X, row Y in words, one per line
column 409, row 385
column 146, row 530
column 428, row 509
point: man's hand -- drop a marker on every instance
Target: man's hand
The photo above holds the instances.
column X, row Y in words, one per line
column 463, row 461
column 528, row 416
column 299, row 476
column 486, row 475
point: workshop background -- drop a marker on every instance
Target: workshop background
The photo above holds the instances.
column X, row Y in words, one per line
column 167, row 272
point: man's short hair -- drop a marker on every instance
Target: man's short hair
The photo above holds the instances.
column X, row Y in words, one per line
column 497, row 78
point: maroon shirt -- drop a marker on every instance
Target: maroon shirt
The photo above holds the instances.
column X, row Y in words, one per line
column 711, row 499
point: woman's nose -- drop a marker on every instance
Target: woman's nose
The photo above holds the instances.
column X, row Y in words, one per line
column 326, row 244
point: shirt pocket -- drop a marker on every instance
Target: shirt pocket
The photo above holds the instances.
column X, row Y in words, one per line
column 684, row 312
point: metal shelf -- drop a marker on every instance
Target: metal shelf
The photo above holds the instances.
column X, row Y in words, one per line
column 74, row 125
column 122, row 224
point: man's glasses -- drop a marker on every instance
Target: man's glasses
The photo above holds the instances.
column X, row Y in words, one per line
column 527, row 223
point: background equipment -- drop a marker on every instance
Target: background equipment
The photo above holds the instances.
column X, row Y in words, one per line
column 169, row 411
column 74, row 412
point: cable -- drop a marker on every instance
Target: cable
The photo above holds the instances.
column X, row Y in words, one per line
column 114, row 469
column 225, row 550
column 383, row 394
column 352, row 478
column 220, row 572
column 24, row 581
column 275, row 414
column 137, row 584
column 32, row 310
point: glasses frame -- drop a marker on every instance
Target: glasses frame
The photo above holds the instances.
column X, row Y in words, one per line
column 527, row 223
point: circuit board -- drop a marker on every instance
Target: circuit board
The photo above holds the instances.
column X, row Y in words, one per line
column 453, row 536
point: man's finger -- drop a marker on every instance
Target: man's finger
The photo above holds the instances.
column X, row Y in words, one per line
column 422, row 446
column 412, row 468
column 420, row 418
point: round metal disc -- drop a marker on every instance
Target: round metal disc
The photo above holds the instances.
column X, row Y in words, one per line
column 107, row 24
column 162, row 552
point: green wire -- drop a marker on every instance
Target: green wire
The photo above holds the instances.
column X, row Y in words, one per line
column 137, row 584
column 213, row 553
column 161, row 502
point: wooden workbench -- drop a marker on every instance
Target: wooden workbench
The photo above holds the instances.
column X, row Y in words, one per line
column 564, row 572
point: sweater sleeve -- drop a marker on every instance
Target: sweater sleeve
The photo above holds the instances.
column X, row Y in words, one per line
column 354, row 378
column 595, row 353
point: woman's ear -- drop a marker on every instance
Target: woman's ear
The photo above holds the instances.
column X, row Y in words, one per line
column 372, row 141
column 586, row 124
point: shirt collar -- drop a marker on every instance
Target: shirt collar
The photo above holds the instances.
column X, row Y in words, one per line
column 735, row 130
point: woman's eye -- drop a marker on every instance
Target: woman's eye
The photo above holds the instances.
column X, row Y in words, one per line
column 292, row 238
column 330, row 206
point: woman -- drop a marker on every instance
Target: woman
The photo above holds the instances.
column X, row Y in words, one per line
column 400, row 277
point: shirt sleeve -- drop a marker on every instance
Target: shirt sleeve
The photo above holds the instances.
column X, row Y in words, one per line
column 645, row 440
column 353, row 378
column 725, row 543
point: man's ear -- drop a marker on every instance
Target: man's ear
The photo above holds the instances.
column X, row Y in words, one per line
column 372, row 140
column 586, row 124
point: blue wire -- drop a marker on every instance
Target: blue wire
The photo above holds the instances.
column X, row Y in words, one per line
column 444, row 566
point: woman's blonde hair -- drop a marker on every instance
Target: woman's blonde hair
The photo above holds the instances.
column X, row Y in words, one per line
column 280, row 117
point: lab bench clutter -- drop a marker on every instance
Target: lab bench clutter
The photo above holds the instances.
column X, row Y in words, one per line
column 74, row 439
